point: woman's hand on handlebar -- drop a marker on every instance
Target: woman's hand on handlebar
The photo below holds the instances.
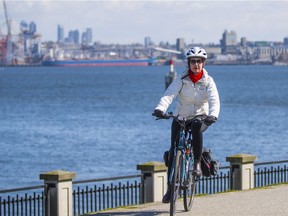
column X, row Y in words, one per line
column 210, row 120
column 158, row 113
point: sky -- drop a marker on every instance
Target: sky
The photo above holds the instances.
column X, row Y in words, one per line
column 126, row 22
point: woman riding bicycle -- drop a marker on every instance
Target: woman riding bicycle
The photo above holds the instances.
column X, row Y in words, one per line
column 197, row 96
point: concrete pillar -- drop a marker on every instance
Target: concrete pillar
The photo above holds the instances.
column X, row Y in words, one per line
column 58, row 189
column 155, row 180
column 242, row 171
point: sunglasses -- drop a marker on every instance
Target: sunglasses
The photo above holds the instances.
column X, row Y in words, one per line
column 193, row 61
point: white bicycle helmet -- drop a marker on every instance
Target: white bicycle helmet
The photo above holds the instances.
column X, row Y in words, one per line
column 196, row 52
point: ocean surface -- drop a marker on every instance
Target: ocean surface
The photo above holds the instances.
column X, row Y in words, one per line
column 97, row 122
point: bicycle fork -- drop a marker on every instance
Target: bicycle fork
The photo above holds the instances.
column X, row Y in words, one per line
column 184, row 146
column 187, row 158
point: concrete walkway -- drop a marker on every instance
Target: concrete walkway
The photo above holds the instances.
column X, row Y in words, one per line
column 269, row 201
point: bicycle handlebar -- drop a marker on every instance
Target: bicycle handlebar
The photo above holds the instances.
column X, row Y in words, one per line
column 166, row 116
column 170, row 115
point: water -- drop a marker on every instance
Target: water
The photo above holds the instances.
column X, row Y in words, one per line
column 97, row 121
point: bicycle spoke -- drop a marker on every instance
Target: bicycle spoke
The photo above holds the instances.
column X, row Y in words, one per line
column 189, row 192
column 176, row 183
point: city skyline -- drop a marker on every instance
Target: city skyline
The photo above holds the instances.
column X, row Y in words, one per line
column 74, row 36
column 127, row 22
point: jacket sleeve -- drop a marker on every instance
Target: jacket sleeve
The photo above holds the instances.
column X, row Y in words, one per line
column 213, row 99
column 169, row 95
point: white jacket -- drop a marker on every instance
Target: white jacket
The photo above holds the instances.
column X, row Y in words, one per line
column 200, row 98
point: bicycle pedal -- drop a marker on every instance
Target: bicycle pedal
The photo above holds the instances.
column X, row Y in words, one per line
column 196, row 179
column 184, row 187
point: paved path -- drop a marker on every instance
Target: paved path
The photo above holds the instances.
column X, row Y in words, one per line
column 270, row 201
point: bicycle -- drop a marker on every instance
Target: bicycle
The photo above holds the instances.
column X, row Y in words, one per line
column 181, row 176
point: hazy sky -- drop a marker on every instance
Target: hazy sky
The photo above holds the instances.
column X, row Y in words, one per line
column 130, row 21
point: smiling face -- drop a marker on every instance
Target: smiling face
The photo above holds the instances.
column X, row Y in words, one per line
column 196, row 65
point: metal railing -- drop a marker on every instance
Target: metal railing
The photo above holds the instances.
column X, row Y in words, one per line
column 214, row 184
column 264, row 176
column 93, row 197
column 22, row 201
column 98, row 194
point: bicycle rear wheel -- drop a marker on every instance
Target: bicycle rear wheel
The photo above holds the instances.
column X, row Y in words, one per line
column 176, row 183
column 189, row 193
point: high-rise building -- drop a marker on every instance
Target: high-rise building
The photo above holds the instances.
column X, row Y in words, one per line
column 76, row 36
column 180, row 44
column 243, row 42
column 286, row 41
column 73, row 36
column 229, row 42
column 60, row 34
column 89, row 35
column 24, row 26
column 84, row 38
column 147, row 41
column 229, row 38
column 32, row 27
column 28, row 29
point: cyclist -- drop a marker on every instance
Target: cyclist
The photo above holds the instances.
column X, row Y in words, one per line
column 197, row 96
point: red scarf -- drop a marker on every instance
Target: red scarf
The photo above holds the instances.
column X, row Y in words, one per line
column 195, row 77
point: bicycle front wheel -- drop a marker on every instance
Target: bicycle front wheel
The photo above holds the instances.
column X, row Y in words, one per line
column 189, row 192
column 176, row 182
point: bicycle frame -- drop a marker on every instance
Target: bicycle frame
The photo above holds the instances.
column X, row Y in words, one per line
column 181, row 176
column 185, row 146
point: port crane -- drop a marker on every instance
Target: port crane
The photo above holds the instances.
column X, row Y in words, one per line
column 6, row 47
column 11, row 44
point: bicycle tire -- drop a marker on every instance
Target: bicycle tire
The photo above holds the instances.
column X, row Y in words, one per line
column 176, row 182
column 189, row 192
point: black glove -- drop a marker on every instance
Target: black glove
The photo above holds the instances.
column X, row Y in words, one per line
column 210, row 120
column 158, row 113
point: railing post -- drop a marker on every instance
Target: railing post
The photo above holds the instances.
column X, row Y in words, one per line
column 242, row 171
column 154, row 177
column 58, row 190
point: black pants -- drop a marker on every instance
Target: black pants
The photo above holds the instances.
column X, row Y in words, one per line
column 197, row 129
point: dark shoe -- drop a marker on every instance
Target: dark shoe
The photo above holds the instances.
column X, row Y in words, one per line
column 197, row 168
column 166, row 197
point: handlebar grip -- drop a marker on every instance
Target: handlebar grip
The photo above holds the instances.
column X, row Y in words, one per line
column 165, row 116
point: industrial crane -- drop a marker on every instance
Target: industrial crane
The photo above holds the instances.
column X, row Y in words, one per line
column 9, row 37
